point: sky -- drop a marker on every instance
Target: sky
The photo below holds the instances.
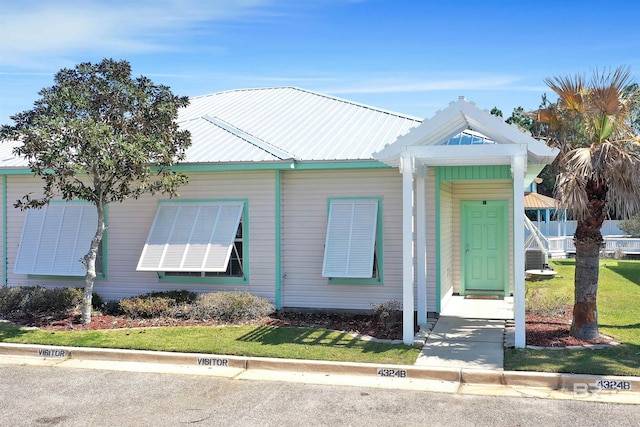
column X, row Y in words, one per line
column 407, row 56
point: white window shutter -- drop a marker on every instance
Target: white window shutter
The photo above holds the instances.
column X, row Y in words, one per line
column 55, row 238
column 191, row 237
column 351, row 238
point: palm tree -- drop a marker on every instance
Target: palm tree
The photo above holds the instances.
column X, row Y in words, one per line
column 598, row 169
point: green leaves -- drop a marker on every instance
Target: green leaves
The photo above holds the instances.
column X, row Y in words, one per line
column 99, row 127
column 595, row 126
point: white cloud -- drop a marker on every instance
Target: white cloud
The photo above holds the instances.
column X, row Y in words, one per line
column 33, row 31
column 413, row 84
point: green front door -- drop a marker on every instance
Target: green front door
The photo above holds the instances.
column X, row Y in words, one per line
column 484, row 247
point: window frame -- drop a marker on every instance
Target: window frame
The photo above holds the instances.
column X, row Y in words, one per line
column 244, row 222
column 378, row 256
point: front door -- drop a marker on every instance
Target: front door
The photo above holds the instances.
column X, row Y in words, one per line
column 484, row 247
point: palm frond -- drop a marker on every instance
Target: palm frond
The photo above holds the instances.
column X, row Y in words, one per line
column 570, row 90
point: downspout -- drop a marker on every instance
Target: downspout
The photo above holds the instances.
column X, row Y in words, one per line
column 5, row 259
column 438, row 251
column 278, row 243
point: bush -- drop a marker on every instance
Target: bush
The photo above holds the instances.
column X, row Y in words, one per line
column 546, row 303
column 230, row 307
column 389, row 313
column 111, row 308
column 58, row 303
column 174, row 303
column 177, row 296
column 146, row 307
column 631, row 226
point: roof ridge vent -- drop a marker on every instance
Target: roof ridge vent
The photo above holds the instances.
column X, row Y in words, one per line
column 263, row 145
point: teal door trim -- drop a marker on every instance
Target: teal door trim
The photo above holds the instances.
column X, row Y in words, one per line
column 503, row 205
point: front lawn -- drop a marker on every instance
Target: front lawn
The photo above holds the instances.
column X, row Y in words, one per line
column 258, row 341
column 619, row 317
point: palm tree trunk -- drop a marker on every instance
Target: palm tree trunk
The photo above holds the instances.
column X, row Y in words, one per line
column 588, row 240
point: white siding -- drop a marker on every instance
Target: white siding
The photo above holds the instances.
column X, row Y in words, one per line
column 3, row 202
column 479, row 190
column 305, row 196
column 129, row 224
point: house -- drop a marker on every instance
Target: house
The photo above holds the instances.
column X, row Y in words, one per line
column 311, row 201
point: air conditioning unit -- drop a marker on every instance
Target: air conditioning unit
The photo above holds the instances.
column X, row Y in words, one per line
column 535, row 259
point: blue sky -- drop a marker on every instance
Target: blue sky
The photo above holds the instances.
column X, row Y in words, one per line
column 413, row 57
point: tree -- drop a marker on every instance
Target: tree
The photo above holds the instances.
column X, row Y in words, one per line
column 598, row 169
column 631, row 226
column 101, row 136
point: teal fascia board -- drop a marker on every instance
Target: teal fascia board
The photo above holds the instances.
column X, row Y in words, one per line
column 289, row 166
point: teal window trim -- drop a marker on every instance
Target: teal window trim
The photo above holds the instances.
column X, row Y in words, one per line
column 438, row 244
column 104, row 244
column 245, row 249
column 379, row 248
column 4, row 233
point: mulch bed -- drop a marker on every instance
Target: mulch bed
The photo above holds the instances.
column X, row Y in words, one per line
column 553, row 331
column 543, row 331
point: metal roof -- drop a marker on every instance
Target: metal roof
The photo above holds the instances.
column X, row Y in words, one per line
column 277, row 124
column 287, row 122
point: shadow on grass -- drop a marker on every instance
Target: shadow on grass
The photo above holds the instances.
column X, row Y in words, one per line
column 8, row 330
column 628, row 270
column 634, row 326
column 623, row 359
column 272, row 335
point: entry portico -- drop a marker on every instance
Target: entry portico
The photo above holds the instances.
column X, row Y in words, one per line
column 477, row 241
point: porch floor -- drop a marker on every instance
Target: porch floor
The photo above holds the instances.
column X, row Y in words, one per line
column 468, row 334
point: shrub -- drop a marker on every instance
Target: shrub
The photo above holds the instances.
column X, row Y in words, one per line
column 389, row 313
column 177, row 296
column 19, row 302
column 146, row 307
column 230, row 307
column 546, row 303
column 631, row 226
column 111, row 308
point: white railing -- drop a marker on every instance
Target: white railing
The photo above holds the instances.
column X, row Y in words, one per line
column 567, row 228
column 564, row 245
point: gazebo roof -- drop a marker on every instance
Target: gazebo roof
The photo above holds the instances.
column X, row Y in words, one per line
column 537, row 201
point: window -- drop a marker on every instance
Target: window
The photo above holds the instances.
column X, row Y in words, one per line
column 197, row 239
column 353, row 241
column 55, row 239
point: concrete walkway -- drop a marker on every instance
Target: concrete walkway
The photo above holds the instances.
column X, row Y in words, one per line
column 469, row 334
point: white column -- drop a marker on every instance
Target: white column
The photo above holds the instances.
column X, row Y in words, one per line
column 518, row 171
column 406, row 168
column 421, row 244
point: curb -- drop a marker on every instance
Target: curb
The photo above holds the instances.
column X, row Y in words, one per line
column 461, row 376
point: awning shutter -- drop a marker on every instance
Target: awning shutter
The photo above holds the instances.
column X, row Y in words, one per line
column 191, row 237
column 351, row 238
column 55, row 238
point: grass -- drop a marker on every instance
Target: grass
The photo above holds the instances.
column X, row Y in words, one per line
column 258, row 341
column 618, row 317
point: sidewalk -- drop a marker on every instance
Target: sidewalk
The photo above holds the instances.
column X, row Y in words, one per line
column 470, row 333
column 436, row 379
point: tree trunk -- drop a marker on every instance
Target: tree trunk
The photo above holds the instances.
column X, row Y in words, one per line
column 588, row 241
column 90, row 263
